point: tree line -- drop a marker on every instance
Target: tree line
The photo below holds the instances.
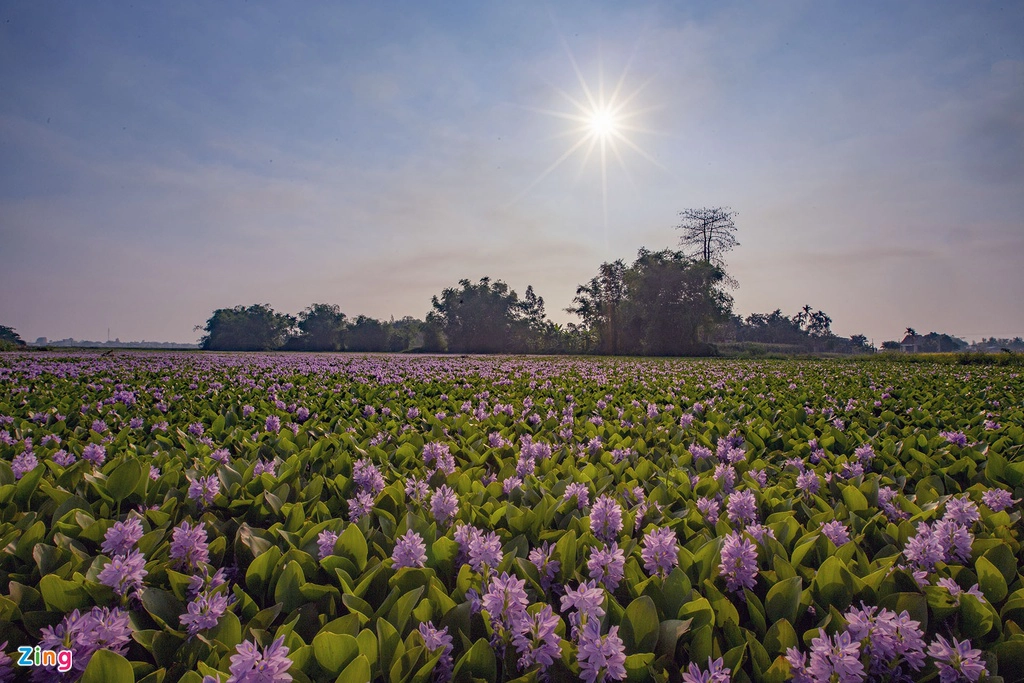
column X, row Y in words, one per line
column 668, row 302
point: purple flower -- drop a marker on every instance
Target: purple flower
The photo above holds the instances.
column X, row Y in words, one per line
column 368, row 477
column 196, row 429
column 505, row 602
column 24, row 463
column 808, row 482
column 124, row 573
column 434, row 640
column 925, row 548
column 717, row 672
column 758, row 532
column 203, row 489
column 580, row 491
column 325, row 543
column 444, row 504
column 742, row 507
column 836, row 531
column 204, row 612
column 660, row 551
column 188, row 545
column 265, row 467
column 546, row 567
column 726, row 476
column 6, row 668
column 272, row 424
column 956, row 661
column 956, row 591
column 410, row 551
column 95, row 454
column 416, row 489
column 511, row 484
column 247, row 410
column 701, row 452
column 955, row 438
column 203, row 581
column 221, row 455
column 888, row 639
column 537, row 642
column 955, row 538
column 838, row 655
column 587, row 600
column 962, row 510
column 154, row 472
column 998, row 499
column 606, row 519
column 739, row 562
column 84, row 634
column 607, row 565
column 864, row 453
column 250, row 665
column 601, row 658
column 709, row 508
column 63, row 458
column 485, row 551
column 885, row 497
column 360, row 506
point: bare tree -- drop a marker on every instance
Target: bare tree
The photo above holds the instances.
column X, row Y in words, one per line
column 708, row 233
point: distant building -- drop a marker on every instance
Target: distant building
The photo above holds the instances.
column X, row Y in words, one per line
column 911, row 344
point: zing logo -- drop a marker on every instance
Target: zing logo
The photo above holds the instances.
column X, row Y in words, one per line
column 36, row 656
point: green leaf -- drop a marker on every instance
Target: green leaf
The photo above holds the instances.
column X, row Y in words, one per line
column 257, row 577
column 991, row 580
column 1010, row 655
column 669, row 632
column 639, row 627
column 700, row 611
column 108, row 667
column 833, row 584
column 358, row 671
column 780, row 637
column 854, row 499
column 402, row 610
column 783, row 600
column 163, row 606
column 976, row 619
column 701, row 646
column 334, row 650
column 287, row 591
column 389, row 643
column 353, row 544
column 638, row 666
column 61, row 595
column 228, row 630
column 124, row 479
column 478, row 662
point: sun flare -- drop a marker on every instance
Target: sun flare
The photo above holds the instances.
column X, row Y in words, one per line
column 605, row 121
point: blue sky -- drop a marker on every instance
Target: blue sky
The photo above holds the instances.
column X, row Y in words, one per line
column 161, row 160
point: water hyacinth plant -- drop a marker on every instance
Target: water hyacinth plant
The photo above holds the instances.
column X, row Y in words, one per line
column 259, row 517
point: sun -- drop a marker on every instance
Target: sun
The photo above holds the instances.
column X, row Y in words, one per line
column 602, row 123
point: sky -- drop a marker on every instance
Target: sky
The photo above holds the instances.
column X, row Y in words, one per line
column 161, row 160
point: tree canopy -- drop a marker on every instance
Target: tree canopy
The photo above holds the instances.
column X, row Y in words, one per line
column 253, row 328
column 663, row 304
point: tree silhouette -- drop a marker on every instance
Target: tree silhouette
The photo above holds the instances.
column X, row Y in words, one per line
column 708, row 233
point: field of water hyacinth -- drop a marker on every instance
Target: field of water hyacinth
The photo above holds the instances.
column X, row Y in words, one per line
column 247, row 517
